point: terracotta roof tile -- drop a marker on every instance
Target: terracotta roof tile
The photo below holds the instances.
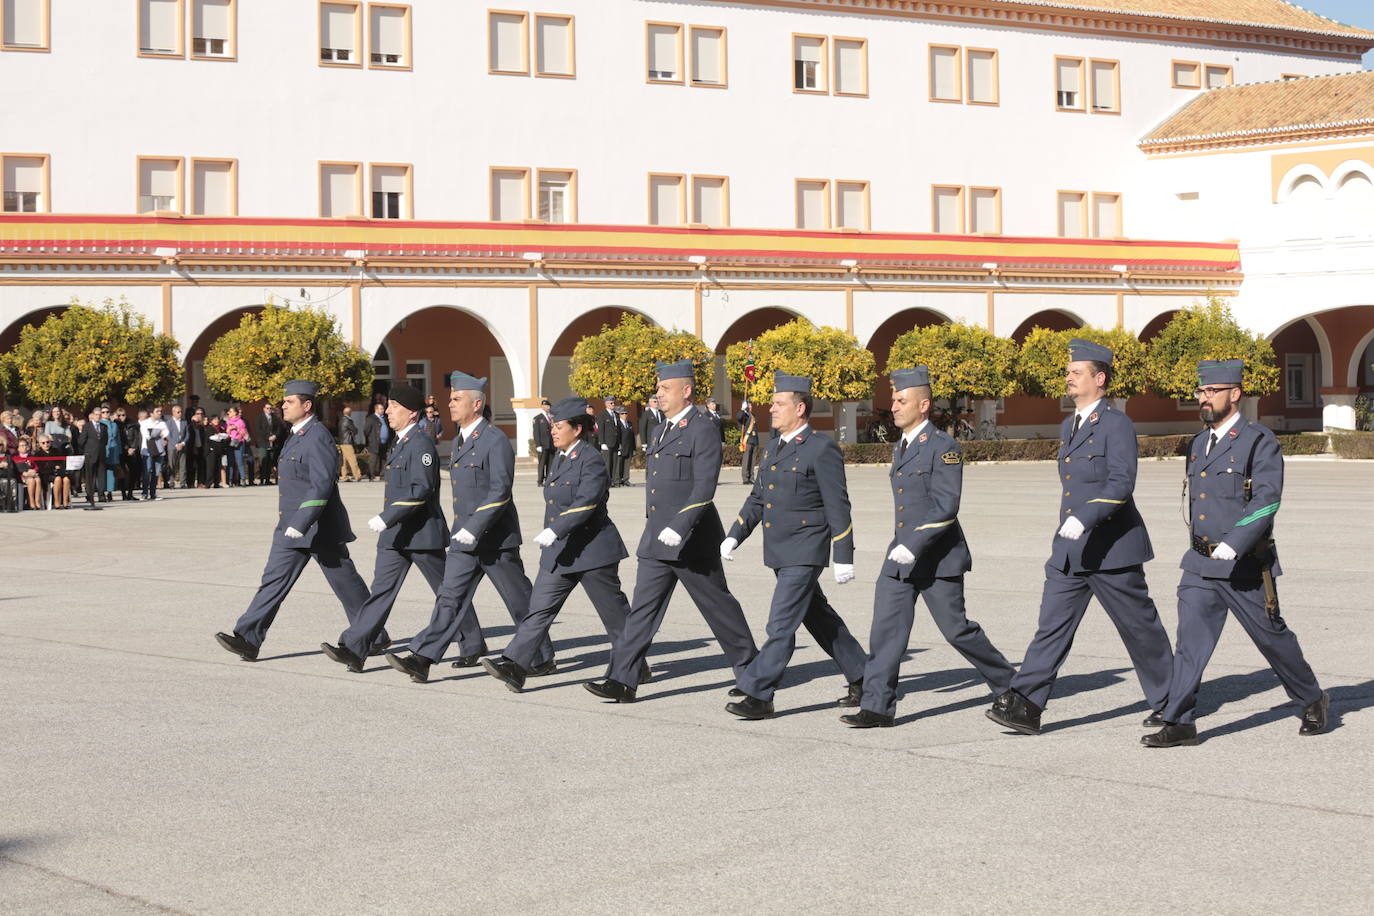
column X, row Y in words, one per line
column 1272, row 13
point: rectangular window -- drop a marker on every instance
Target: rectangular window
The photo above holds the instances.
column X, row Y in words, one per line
column 1105, row 85
column 159, row 28
column 708, row 56
column 341, row 189
column 813, row 204
column 710, row 200
column 1186, row 74
column 851, row 205
column 1068, row 83
column 391, row 186
column 389, row 27
column 558, row 195
column 25, row 25
column 341, row 34
column 1106, row 216
column 947, row 209
column 212, row 29
column 808, row 63
column 1297, row 377
column 944, row 74
column 663, row 51
column 510, row 195
column 667, row 194
column 214, row 187
column 851, row 66
column 554, row 54
column 1218, row 75
column 1073, row 214
column 982, row 76
column 508, row 42
column 25, row 183
column 159, row 185
column 985, row 210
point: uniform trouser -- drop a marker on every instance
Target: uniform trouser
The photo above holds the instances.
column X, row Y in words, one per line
column 746, row 465
column 625, row 469
column 267, row 464
column 551, row 589
column 284, row 566
column 798, row 600
column 387, row 578
column 1202, row 606
column 93, row 474
column 617, row 468
column 1126, row 599
column 348, row 465
column 545, row 462
column 609, row 455
column 454, row 617
column 171, row 465
column 894, row 613
column 655, row 582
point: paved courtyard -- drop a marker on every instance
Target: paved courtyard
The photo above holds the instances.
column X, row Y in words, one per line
column 145, row 769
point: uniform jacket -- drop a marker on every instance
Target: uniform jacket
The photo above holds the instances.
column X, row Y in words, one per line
column 625, row 437
column 648, row 423
column 927, row 484
column 92, row 441
column 717, row 422
column 609, row 430
column 748, row 430
column 1217, row 503
column 801, row 497
column 1097, row 472
column 308, row 490
column 414, row 520
column 482, row 472
column 681, row 473
column 543, row 436
column 575, row 495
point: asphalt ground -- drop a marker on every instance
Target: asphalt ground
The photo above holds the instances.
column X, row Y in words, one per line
column 145, row 769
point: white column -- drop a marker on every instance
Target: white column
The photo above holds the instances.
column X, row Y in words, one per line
column 1338, row 411
column 524, row 430
column 984, row 410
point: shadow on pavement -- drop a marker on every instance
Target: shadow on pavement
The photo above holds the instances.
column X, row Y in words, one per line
column 1344, row 700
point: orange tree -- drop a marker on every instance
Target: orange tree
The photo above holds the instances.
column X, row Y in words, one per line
column 1044, row 354
column 840, row 369
column 255, row 360
column 1207, row 330
column 619, row 362
column 965, row 360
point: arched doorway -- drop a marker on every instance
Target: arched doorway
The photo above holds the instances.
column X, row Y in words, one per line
column 880, row 408
column 9, row 337
column 747, row 327
column 554, row 379
column 1037, row 416
column 197, row 392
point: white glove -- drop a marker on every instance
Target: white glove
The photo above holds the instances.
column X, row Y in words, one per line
column 901, row 556
column 465, row 537
column 844, row 572
column 539, row 448
column 376, row 524
column 669, row 537
column 293, row 533
column 546, row 537
column 605, row 448
column 727, row 547
column 1071, row 529
column 1223, row 551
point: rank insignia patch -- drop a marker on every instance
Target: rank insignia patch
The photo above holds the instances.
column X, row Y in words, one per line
column 1092, row 418
column 1232, row 434
column 922, row 437
column 426, row 459
column 951, row 458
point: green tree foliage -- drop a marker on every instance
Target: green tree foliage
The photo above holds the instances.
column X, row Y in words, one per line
column 1044, row 354
column 620, row 361
column 1207, row 330
column 840, row 369
column 965, row 360
column 91, row 353
column 267, row 350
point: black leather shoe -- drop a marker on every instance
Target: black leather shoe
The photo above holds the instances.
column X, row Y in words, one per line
column 736, row 692
column 414, row 665
column 381, row 645
column 865, row 719
column 507, row 672
column 544, row 670
column 611, row 689
column 646, row 674
column 343, row 657
column 751, row 708
column 471, row 661
column 1014, row 711
column 1314, row 716
column 854, row 697
column 236, row 644
column 1153, row 720
column 1172, row 735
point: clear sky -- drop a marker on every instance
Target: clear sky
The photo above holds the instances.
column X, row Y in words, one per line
column 1351, row 12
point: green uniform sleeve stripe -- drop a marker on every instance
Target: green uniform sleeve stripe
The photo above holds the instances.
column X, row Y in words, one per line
column 312, row 503
column 1259, row 514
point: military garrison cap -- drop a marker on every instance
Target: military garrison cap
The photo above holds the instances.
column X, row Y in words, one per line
column 799, row 384
column 302, row 388
column 459, row 380
column 680, row 369
column 1220, row 371
column 1084, row 350
column 910, row 378
column 569, row 409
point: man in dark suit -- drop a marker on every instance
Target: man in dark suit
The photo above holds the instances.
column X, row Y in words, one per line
column 749, row 441
column 377, row 435
column 625, row 437
column 649, row 422
column 681, row 540
column 271, row 436
column 311, row 523
column 609, row 439
column 91, row 444
column 713, row 413
column 195, row 450
column 543, row 441
column 178, row 431
column 926, row 558
column 1099, row 550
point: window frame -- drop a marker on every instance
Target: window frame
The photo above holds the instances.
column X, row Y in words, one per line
column 359, row 35
column 572, row 194
column 1084, row 217
column 524, row 44
column 823, row 70
column 835, row 65
column 958, row 50
column 1306, row 364
column 569, row 18
column 357, row 167
column 233, row 183
column 1082, row 107
column 179, row 204
column 678, row 29
column 1229, row 70
column 997, row 201
column 409, row 44
column 961, row 209
column 1118, row 228
column 1195, row 65
column 180, row 32
column 526, row 200
column 868, row 212
column 408, row 210
column 996, row 77
column 47, row 180
column 826, row 191
column 233, row 54
column 724, row 57
column 724, row 201
column 1116, row 86
column 682, row 202
column 45, row 25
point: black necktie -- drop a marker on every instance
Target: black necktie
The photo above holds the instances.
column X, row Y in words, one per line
column 1211, row 442
column 1077, row 422
column 901, row 450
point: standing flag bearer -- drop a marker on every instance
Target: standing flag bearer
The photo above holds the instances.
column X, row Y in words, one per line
column 927, row 557
column 1099, row 550
column 800, row 497
column 1235, row 482
column 311, row 522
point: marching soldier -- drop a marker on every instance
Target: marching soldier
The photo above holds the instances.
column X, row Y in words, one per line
column 410, row 528
column 748, row 441
column 681, row 541
column 1235, row 482
column 625, row 434
column 609, row 440
column 485, row 542
column 1099, row 550
column 579, row 545
column 800, row 497
column 927, row 557
column 311, row 522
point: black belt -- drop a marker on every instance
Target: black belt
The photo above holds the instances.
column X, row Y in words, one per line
column 1203, row 546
